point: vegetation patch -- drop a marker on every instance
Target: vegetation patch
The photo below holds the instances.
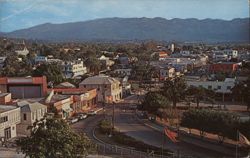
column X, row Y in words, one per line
column 105, row 127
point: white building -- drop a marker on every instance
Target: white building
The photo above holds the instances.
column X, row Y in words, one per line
column 108, row 88
column 219, row 56
column 172, row 47
column 185, row 53
column 106, row 61
column 24, row 52
column 224, row 55
column 223, row 87
column 30, row 112
column 9, row 118
column 124, row 72
column 74, row 69
column 231, row 53
column 42, row 59
column 165, row 73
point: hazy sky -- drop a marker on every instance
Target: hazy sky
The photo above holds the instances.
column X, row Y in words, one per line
column 17, row 14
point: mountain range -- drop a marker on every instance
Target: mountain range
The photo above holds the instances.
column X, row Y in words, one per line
column 124, row 29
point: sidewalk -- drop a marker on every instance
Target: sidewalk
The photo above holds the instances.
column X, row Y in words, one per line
column 10, row 153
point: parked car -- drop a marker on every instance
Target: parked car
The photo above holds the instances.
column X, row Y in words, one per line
column 82, row 116
column 73, row 120
column 92, row 112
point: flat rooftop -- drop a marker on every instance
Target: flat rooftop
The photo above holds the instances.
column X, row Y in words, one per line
column 59, row 97
column 3, row 94
column 4, row 108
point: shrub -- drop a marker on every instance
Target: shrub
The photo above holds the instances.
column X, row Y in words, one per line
column 105, row 126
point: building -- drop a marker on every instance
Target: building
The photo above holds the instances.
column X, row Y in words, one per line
column 24, row 87
column 231, row 53
column 126, row 86
column 124, row 60
column 172, row 47
column 65, row 85
column 165, row 73
column 105, row 61
column 59, row 104
column 220, row 56
column 224, row 55
column 225, row 67
column 9, row 118
column 123, row 72
column 24, row 52
column 30, row 112
column 163, row 55
column 83, row 99
column 74, row 69
column 108, row 88
column 185, row 53
column 5, row 98
column 224, row 88
column 41, row 59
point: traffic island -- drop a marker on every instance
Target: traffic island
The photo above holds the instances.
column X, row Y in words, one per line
column 106, row 134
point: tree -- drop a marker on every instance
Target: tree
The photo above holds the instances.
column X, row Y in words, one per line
column 174, row 89
column 199, row 93
column 13, row 67
column 218, row 122
column 154, row 101
column 241, row 91
column 53, row 72
column 93, row 64
column 53, row 138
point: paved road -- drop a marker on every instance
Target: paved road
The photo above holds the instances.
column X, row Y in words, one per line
column 127, row 122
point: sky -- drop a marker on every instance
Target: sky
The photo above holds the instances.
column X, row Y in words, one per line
column 18, row 14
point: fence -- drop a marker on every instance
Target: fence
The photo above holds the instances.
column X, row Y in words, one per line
column 108, row 149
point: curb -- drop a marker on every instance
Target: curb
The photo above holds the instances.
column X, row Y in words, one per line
column 93, row 134
column 156, row 129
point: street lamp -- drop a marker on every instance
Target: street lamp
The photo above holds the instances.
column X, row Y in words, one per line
column 113, row 117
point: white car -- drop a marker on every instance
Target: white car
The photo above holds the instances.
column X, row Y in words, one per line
column 92, row 112
column 73, row 120
column 82, row 116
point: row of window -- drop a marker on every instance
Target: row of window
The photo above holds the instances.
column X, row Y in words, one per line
column 11, row 118
column 218, row 87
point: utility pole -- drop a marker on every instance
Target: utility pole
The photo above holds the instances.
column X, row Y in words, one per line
column 103, row 104
column 113, row 118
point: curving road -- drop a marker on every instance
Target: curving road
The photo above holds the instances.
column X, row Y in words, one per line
column 127, row 122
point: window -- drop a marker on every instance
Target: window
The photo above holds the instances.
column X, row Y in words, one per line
column 4, row 119
column 228, row 87
column 219, row 87
column 24, row 117
column 209, row 87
